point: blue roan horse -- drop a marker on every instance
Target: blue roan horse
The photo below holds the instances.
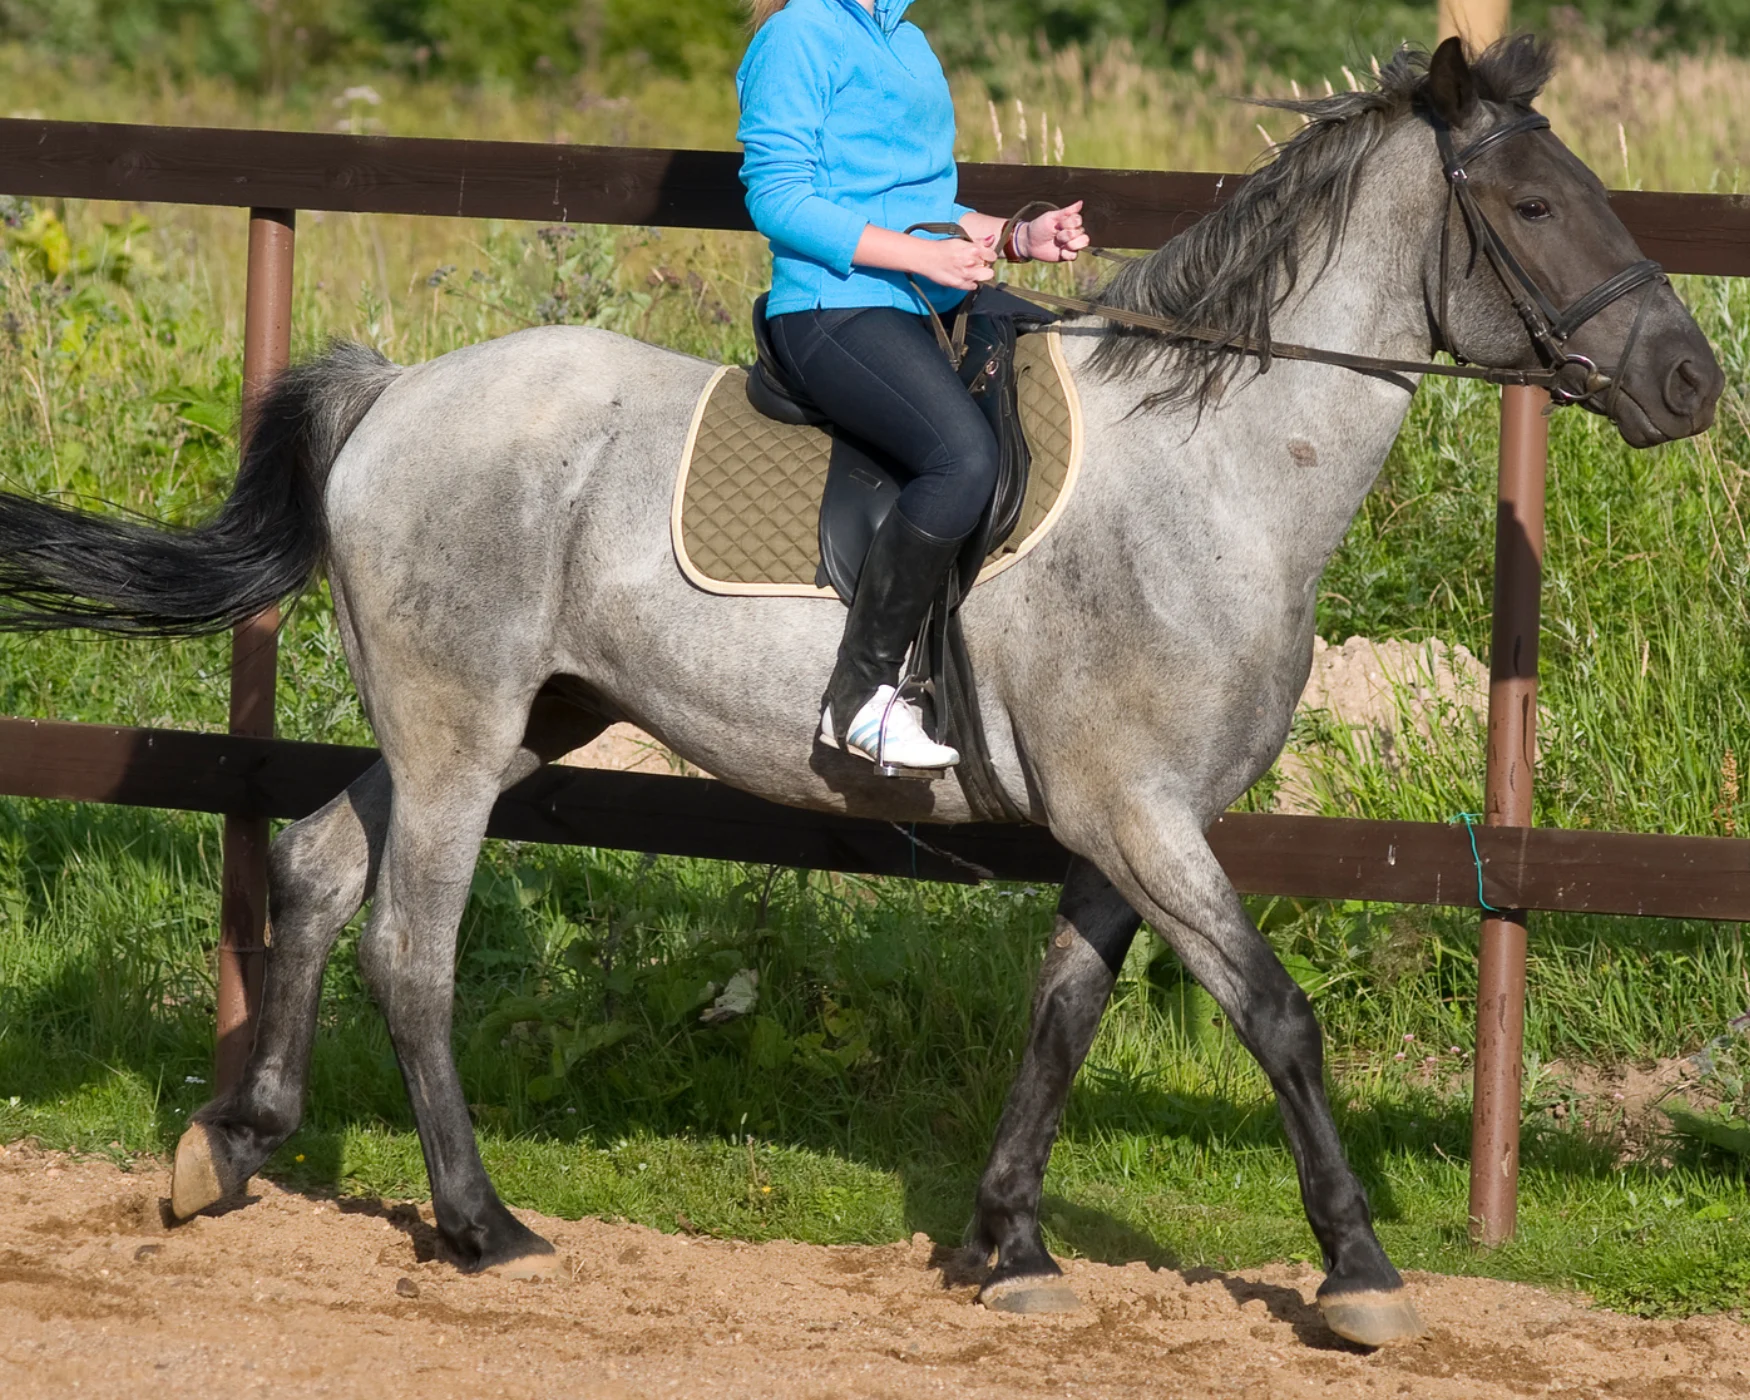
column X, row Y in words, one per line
column 494, row 527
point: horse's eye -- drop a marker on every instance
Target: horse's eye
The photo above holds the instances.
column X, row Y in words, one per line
column 1532, row 209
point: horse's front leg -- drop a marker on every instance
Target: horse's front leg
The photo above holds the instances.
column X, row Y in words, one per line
column 1095, row 926
column 1160, row 860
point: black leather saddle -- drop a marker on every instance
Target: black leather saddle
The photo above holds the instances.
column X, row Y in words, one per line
column 862, row 482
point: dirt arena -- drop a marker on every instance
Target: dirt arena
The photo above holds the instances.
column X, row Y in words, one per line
column 294, row 1295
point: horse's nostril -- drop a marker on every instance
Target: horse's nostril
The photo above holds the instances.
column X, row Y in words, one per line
column 1684, row 387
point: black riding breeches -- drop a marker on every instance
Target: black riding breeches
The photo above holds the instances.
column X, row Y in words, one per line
column 878, row 373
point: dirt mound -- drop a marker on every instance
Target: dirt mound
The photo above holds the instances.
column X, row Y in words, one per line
column 296, row 1295
column 1379, row 692
column 628, row 749
column 1622, row 1106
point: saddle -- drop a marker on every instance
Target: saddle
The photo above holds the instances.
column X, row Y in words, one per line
column 863, row 485
column 744, row 518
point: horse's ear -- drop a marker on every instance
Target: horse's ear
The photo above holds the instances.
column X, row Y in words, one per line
column 1452, row 88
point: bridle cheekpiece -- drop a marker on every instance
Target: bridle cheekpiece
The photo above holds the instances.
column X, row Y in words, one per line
column 1573, row 378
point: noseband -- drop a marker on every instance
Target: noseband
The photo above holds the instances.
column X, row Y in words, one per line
column 1573, row 378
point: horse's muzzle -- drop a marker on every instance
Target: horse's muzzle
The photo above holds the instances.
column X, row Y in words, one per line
column 1670, row 387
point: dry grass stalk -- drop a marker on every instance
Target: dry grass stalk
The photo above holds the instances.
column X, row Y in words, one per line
column 1727, row 811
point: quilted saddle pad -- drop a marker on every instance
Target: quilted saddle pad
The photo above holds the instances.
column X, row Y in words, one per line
column 746, row 513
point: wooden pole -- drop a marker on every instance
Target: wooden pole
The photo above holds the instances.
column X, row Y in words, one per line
column 1478, row 22
column 1519, row 519
column 1494, row 1172
column 267, row 347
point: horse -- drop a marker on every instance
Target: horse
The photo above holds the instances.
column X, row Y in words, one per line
column 494, row 526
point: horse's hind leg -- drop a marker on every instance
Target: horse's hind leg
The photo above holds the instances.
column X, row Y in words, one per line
column 1095, row 927
column 451, row 757
column 320, row 872
column 436, row 823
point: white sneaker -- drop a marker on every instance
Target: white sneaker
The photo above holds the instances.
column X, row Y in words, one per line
column 889, row 732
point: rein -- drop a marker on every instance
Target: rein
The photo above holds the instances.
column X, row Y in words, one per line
column 1569, row 378
column 954, row 344
column 1268, row 350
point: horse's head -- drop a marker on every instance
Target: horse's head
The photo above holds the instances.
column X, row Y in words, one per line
column 1532, row 268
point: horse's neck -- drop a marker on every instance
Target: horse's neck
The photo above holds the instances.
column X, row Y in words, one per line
column 1370, row 299
column 1289, row 455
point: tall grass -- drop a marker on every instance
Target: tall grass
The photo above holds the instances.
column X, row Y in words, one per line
column 854, row 1102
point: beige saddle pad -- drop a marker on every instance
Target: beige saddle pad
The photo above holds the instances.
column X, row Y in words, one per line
column 746, row 514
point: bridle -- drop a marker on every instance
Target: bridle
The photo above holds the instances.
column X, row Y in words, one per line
column 1574, row 378
column 1568, row 377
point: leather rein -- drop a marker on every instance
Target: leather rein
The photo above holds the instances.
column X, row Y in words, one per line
column 1568, row 377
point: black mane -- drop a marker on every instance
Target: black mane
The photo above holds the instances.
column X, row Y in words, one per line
column 1232, row 269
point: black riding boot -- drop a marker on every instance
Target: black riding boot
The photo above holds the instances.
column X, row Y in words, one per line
column 901, row 577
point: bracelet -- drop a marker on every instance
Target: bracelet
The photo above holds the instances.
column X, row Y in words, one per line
column 1010, row 252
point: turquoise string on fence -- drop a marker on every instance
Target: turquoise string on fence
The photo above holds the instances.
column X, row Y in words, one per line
column 1470, row 820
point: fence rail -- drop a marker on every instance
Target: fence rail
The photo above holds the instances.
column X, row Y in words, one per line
column 1595, row 872
column 1695, row 233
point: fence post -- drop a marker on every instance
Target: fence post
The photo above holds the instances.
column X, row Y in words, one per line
column 1494, row 1162
column 1478, row 22
column 267, row 348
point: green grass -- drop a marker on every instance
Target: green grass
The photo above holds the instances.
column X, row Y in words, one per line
column 1644, row 665
column 858, row 1099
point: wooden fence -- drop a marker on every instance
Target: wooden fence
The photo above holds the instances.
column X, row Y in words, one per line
column 251, row 777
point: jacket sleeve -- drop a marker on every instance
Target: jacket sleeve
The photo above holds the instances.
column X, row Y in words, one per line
column 785, row 86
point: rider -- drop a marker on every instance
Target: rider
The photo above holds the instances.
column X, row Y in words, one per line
column 848, row 130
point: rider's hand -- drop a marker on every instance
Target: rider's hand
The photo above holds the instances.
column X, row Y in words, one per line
column 1056, row 236
column 953, row 262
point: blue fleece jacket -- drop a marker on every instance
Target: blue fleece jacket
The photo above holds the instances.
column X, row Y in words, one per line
column 846, row 121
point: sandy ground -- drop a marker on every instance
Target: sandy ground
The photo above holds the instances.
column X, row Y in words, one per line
column 292, row 1295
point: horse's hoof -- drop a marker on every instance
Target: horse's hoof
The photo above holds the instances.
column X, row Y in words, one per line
column 1374, row 1318
column 194, row 1180
column 531, row 1267
column 1029, row 1295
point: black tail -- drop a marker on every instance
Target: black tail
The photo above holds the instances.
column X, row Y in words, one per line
column 68, row 568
